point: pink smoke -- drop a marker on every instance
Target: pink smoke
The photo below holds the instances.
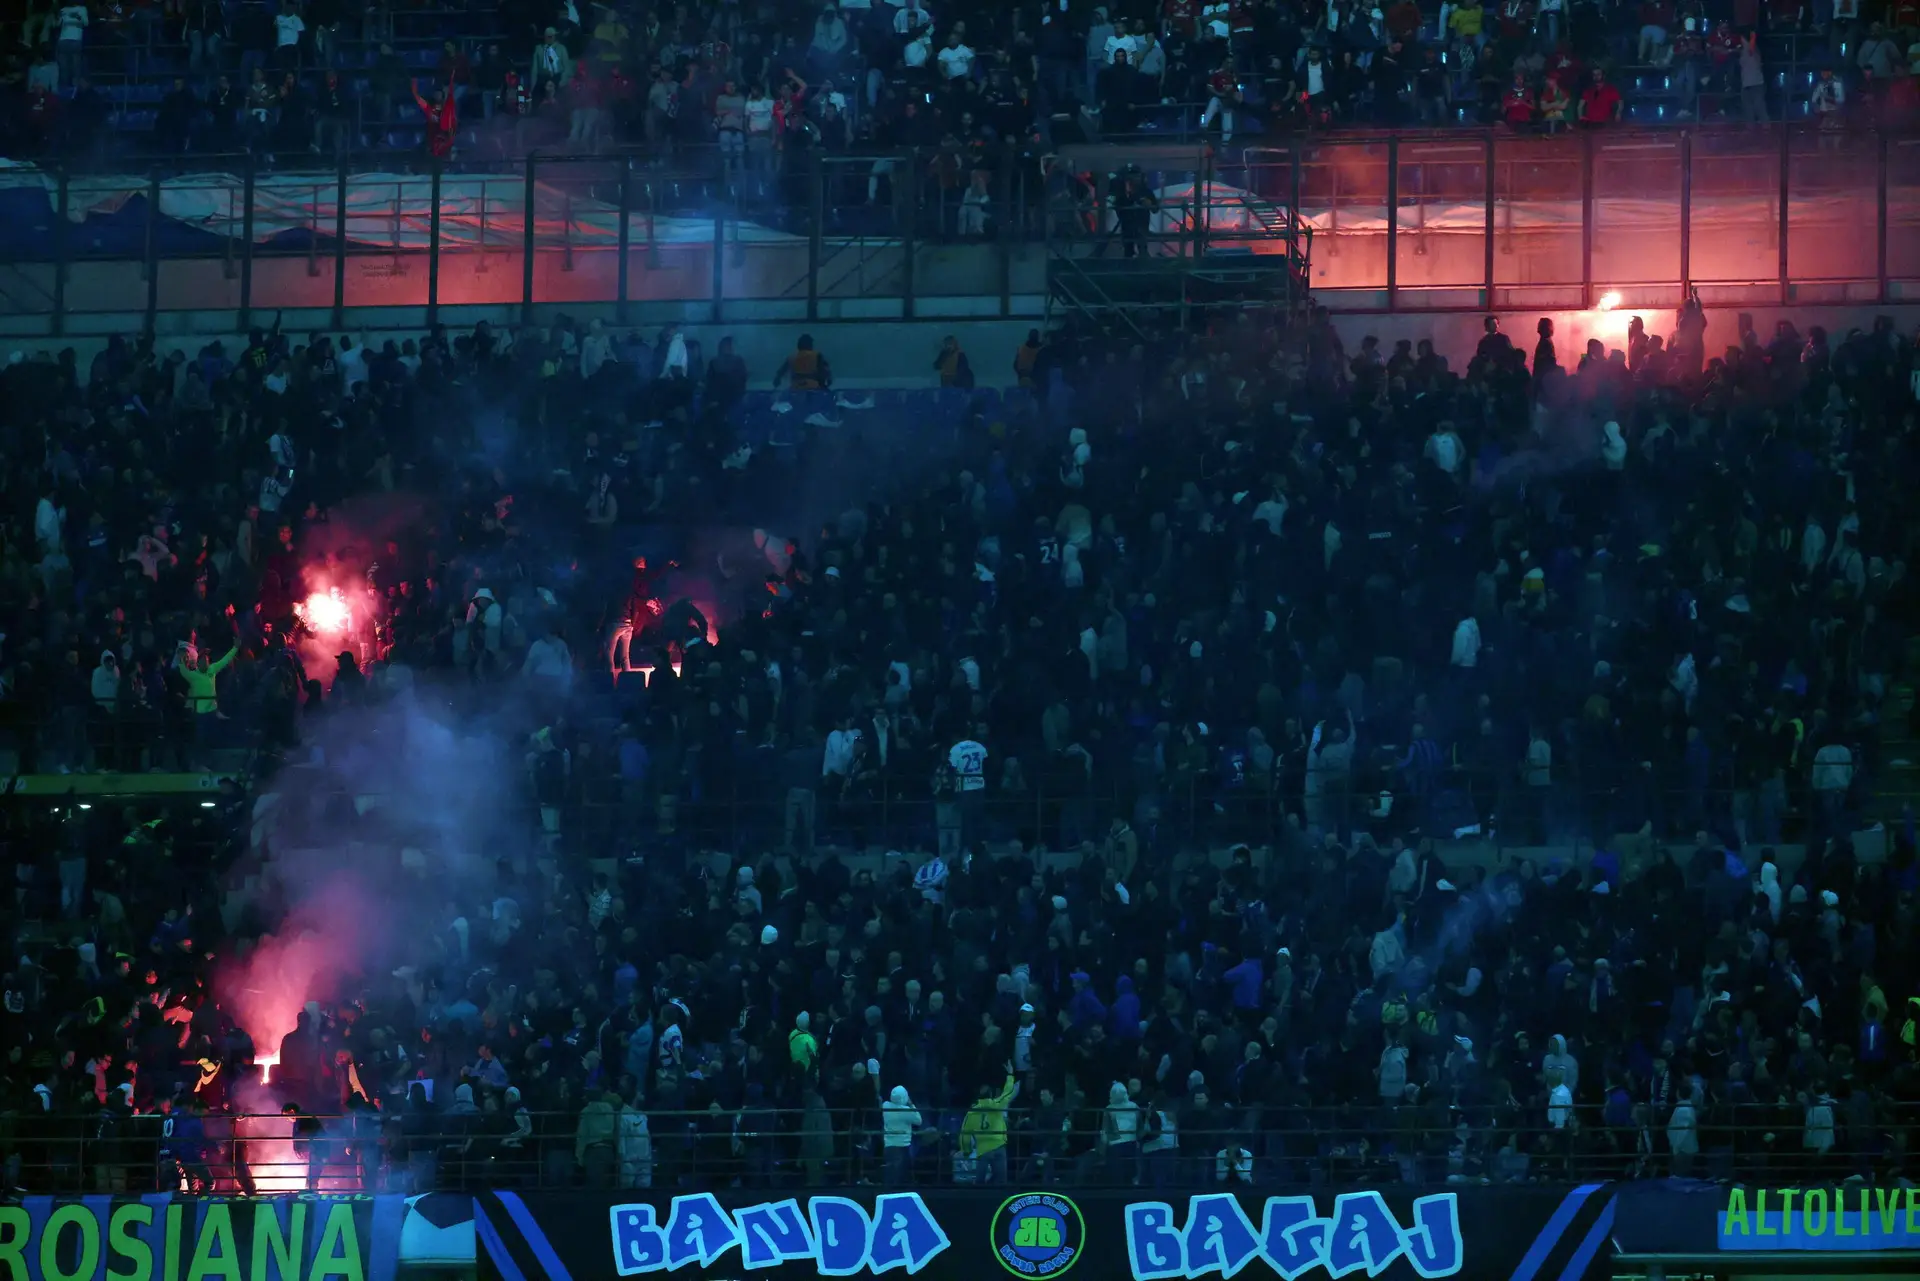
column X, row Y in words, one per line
column 315, row 950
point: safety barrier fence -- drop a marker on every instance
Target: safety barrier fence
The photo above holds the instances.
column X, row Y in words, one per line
column 1160, row 1145
column 1763, row 215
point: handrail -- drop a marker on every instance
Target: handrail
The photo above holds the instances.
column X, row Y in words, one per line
column 1385, row 1143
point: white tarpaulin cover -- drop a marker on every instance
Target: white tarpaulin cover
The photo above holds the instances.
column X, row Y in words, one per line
column 1231, row 209
column 391, row 211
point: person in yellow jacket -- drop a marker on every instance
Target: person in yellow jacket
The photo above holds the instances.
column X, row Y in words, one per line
column 984, row 1132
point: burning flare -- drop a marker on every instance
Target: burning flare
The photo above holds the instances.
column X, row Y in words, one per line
column 1608, row 301
column 326, row 613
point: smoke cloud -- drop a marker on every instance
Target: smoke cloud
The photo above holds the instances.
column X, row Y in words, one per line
column 401, row 809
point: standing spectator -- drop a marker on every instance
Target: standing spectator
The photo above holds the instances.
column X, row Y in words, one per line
column 1753, row 82
column 173, row 124
column 899, row 1120
column 254, row 32
column 550, row 61
column 68, row 52
column 730, row 125
column 288, row 29
column 206, row 30
column 1600, row 101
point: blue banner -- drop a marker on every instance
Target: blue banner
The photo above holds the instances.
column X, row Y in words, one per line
column 1036, row 1233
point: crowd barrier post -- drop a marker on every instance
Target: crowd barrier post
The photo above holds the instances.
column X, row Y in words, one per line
column 60, row 250
column 1686, row 213
column 247, row 197
column 1586, row 220
column 816, row 226
column 1493, row 195
column 1881, row 148
column 626, row 238
column 1786, row 206
column 719, row 261
column 1393, row 220
column 527, row 240
column 150, row 248
column 433, row 243
column 340, row 242
column 910, row 232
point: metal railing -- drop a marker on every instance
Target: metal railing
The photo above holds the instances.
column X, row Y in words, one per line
column 761, row 1148
column 1771, row 215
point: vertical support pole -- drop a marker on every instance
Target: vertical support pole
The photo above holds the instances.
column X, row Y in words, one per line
column 1492, row 197
column 626, row 239
column 908, row 250
column 433, row 246
column 1586, row 221
column 816, row 230
column 1393, row 220
column 1880, row 222
column 719, row 262
column 1786, row 204
column 1686, row 212
column 340, row 245
column 526, row 245
column 1003, row 247
column 61, row 245
column 150, row 251
column 246, row 245
column 1295, row 162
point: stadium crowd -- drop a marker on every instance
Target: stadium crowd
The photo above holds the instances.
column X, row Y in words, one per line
column 1187, row 665
column 761, row 85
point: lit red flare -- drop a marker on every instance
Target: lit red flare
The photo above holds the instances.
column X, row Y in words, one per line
column 326, row 613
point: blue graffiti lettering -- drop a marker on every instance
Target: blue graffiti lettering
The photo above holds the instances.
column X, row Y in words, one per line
column 1433, row 1245
column 638, row 1246
column 1361, row 1234
column 1218, row 1237
column 1293, row 1237
column 841, row 1232
column 773, row 1234
column 1365, row 1235
column 1153, row 1243
column 834, row 1234
column 905, row 1235
column 698, row 1229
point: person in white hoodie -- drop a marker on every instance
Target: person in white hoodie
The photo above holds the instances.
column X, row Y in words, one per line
column 1559, row 1102
column 595, row 350
column 49, row 523
column 1466, row 642
column 1683, row 1130
column 676, row 363
column 1389, row 949
column 1392, row 1072
column 1768, row 887
column 1558, row 1059
column 899, row 1120
column 1613, row 447
column 1073, row 468
column 634, row 1142
column 1445, row 451
column 549, row 664
column 1072, row 574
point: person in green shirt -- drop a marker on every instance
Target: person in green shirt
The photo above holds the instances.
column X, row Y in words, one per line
column 984, row 1131
column 801, row 1045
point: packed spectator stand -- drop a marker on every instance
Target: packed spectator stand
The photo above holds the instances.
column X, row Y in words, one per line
column 1106, row 769
column 749, row 89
